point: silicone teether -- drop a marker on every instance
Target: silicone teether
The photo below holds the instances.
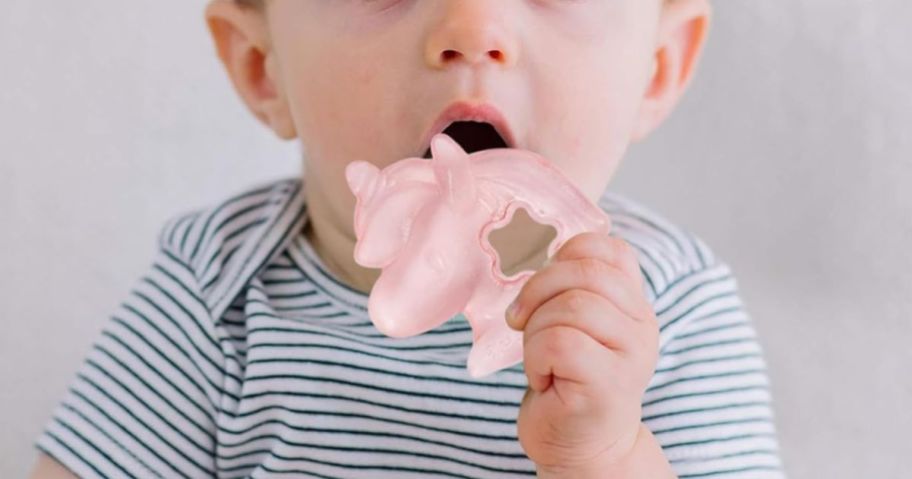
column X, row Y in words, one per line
column 426, row 224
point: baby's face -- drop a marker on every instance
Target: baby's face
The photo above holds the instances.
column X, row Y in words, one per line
column 366, row 79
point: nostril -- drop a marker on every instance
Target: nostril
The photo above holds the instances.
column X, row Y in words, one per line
column 450, row 54
column 453, row 54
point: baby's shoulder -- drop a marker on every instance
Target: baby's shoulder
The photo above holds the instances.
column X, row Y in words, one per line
column 215, row 242
column 667, row 251
column 688, row 285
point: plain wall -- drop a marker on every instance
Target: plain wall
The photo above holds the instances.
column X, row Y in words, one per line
column 791, row 156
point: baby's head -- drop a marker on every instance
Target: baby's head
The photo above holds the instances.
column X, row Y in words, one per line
column 574, row 80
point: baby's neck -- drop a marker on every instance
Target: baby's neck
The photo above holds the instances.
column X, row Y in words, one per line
column 336, row 251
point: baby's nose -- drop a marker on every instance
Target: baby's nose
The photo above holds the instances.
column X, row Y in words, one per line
column 473, row 32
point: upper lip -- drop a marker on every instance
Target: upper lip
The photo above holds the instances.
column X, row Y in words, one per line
column 468, row 111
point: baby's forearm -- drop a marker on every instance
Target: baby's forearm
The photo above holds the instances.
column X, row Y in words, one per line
column 645, row 460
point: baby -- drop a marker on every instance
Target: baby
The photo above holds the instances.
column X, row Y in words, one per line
column 247, row 350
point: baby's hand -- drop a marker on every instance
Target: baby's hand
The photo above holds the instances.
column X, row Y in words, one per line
column 590, row 348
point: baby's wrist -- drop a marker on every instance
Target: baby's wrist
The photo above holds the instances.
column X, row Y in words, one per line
column 643, row 459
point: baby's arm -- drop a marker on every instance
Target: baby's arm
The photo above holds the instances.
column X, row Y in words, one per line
column 709, row 403
column 144, row 400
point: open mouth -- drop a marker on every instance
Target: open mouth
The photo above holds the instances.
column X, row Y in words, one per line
column 473, row 136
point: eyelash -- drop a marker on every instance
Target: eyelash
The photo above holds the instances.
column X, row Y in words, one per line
column 384, row 5
column 371, row 2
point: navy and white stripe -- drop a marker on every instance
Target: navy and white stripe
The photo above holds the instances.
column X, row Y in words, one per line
column 238, row 355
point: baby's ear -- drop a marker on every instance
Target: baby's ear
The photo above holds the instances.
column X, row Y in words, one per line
column 682, row 32
column 242, row 42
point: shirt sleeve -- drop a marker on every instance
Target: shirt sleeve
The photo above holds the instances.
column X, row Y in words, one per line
column 144, row 400
column 709, row 402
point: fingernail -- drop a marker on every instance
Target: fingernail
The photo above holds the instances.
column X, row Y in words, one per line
column 547, row 261
column 512, row 314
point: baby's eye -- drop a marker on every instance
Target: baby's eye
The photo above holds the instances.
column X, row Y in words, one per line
column 378, row 4
column 562, row 1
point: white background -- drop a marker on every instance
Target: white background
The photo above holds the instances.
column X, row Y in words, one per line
column 791, row 156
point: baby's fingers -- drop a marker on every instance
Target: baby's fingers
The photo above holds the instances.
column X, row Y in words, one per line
column 587, row 274
column 612, row 250
column 593, row 315
column 567, row 356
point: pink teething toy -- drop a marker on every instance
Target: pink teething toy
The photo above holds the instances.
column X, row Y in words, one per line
column 426, row 224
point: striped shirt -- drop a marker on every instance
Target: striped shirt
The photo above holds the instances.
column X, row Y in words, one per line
column 237, row 354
